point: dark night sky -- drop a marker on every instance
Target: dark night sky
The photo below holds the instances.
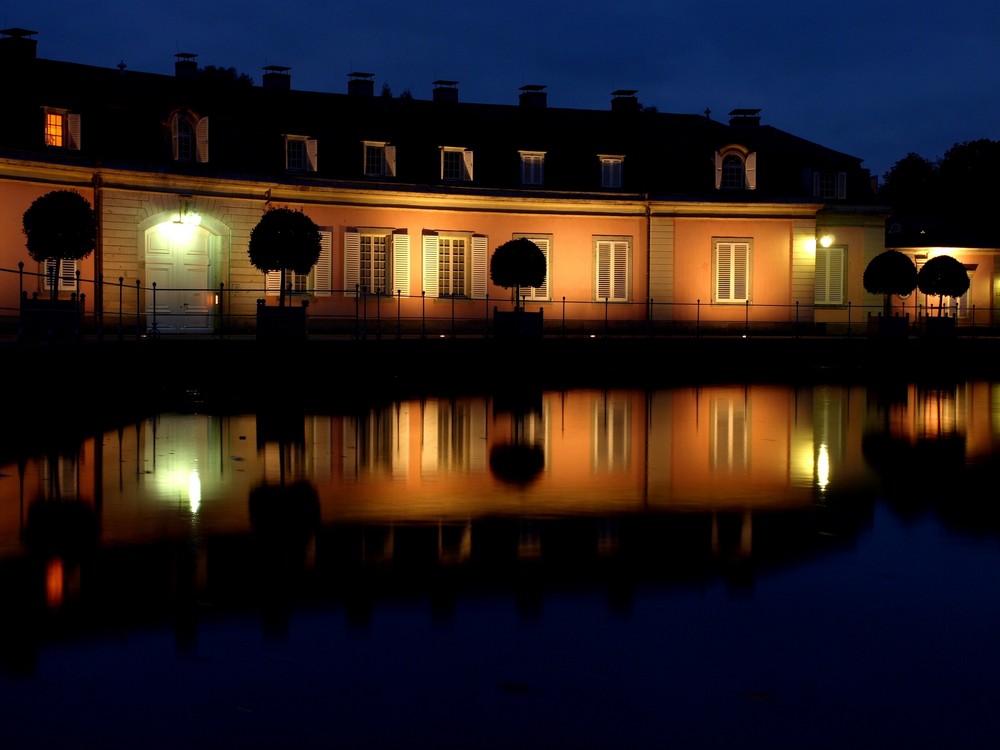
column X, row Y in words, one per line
column 876, row 79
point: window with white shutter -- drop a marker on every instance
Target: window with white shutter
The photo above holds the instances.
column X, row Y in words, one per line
column 735, row 169
column 456, row 164
column 67, row 274
column 539, row 293
column 455, row 264
column 61, row 129
column 731, row 270
column 318, row 282
column 376, row 261
column 831, row 264
column 612, row 265
column 189, row 137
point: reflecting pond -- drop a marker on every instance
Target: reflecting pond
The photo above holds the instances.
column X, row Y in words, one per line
column 752, row 565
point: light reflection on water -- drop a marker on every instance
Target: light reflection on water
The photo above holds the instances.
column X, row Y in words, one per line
column 753, row 564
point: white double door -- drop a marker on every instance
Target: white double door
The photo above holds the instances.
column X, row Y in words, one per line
column 177, row 262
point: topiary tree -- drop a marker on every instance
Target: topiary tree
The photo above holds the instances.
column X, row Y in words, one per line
column 943, row 276
column 59, row 225
column 888, row 273
column 516, row 263
column 284, row 240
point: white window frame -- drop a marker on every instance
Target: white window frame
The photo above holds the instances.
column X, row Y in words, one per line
column 67, row 274
column 397, row 260
column 317, row 283
column 612, row 168
column 463, row 164
column 386, row 159
column 61, row 129
column 305, row 160
column 732, row 265
column 476, row 263
column 748, row 163
column 532, row 167
column 830, row 275
column 612, row 269
column 539, row 293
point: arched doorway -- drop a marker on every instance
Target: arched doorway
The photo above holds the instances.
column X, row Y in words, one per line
column 178, row 263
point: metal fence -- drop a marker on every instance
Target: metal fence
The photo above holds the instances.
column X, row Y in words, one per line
column 118, row 309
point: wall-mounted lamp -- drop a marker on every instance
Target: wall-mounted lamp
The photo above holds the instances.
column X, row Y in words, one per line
column 826, row 240
column 185, row 213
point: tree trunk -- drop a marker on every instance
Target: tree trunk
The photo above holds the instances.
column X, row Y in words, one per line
column 281, row 292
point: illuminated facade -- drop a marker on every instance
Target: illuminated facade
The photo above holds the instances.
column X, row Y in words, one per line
column 645, row 217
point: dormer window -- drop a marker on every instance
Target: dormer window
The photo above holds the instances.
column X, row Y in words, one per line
column 189, row 137
column 300, row 153
column 380, row 159
column 532, row 167
column 735, row 169
column 62, row 129
column 456, row 164
column 830, row 185
column 611, row 171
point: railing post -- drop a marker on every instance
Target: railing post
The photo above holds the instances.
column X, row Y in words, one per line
column 796, row 318
column 364, row 312
column 649, row 317
column 378, row 316
column 697, row 319
column 138, row 331
column 564, row 315
column 20, row 279
column 453, row 316
column 423, row 313
column 606, row 316
column 746, row 318
column 121, row 289
column 849, row 319
column 399, row 301
column 222, row 310
column 357, row 311
column 486, row 317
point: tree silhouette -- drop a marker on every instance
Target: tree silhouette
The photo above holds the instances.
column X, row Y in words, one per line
column 888, row 273
column 943, row 276
column 60, row 225
column 284, row 239
column 516, row 263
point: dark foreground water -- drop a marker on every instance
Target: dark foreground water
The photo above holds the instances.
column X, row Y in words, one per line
column 749, row 566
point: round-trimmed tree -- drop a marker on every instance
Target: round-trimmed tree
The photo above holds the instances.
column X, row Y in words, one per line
column 888, row 273
column 284, row 240
column 516, row 263
column 943, row 276
column 59, row 225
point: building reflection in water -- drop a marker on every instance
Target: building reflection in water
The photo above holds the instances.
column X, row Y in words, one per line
column 608, row 486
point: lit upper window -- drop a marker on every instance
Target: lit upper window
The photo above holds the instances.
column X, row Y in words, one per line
column 735, row 169
column 532, row 167
column 611, row 171
column 456, row 164
column 61, row 129
column 189, row 137
column 380, row 159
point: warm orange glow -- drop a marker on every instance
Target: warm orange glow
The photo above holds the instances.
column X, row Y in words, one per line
column 54, row 582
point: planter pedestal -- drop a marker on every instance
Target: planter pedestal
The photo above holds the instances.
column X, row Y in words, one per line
column 281, row 323
column 53, row 320
column 893, row 327
column 508, row 324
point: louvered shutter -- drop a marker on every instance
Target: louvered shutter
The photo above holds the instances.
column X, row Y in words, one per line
column 467, row 160
column 604, row 261
column 401, row 262
column 619, row 292
column 323, row 270
column 67, row 274
column 841, row 185
column 540, row 292
column 201, row 138
column 751, row 171
column 430, row 261
column 732, row 272
column 73, row 131
column 718, row 170
column 272, row 283
column 312, row 149
column 390, row 161
column 816, row 179
column 829, row 276
column 480, row 264
column 352, row 262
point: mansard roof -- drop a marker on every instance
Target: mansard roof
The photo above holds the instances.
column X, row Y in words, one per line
column 125, row 122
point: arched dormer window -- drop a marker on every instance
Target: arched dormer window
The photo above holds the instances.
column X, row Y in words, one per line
column 189, row 137
column 735, row 169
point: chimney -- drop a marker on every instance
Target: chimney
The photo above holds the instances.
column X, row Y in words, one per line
column 624, row 100
column 186, row 66
column 16, row 44
column 532, row 96
column 277, row 77
column 361, row 84
column 745, row 117
column 446, row 91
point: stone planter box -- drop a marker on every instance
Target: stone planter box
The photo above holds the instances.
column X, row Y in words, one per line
column 281, row 323
column 935, row 327
column 895, row 327
column 53, row 320
column 521, row 324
